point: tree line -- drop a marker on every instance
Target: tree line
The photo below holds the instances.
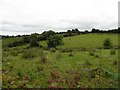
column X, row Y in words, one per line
column 33, row 40
column 67, row 33
column 53, row 38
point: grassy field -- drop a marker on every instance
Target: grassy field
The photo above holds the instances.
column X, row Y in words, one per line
column 87, row 41
column 78, row 63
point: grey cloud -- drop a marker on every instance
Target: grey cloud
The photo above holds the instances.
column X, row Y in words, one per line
column 63, row 25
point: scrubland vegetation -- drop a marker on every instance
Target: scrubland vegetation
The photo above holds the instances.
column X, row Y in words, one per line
column 80, row 61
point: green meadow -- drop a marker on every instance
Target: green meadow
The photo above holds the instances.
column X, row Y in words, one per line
column 81, row 62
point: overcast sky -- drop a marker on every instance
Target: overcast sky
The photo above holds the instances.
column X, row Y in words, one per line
column 30, row 16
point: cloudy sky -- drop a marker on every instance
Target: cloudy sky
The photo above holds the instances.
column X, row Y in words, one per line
column 29, row 16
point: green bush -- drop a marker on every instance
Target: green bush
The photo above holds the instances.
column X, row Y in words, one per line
column 33, row 41
column 54, row 41
column 107, row 44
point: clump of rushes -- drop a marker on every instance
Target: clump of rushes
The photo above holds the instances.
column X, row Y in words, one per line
column 112, row 52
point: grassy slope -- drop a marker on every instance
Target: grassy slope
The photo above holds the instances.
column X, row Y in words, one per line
column 89, row 40
column 61, row 63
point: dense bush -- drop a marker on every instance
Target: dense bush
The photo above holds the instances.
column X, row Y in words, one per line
column 54, row 41
column 46, row 34
column 33, row 41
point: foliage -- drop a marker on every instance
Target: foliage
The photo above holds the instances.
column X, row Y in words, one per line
column 46, row 34
column 33, row 41
column 26, row 39
column 54, row 41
